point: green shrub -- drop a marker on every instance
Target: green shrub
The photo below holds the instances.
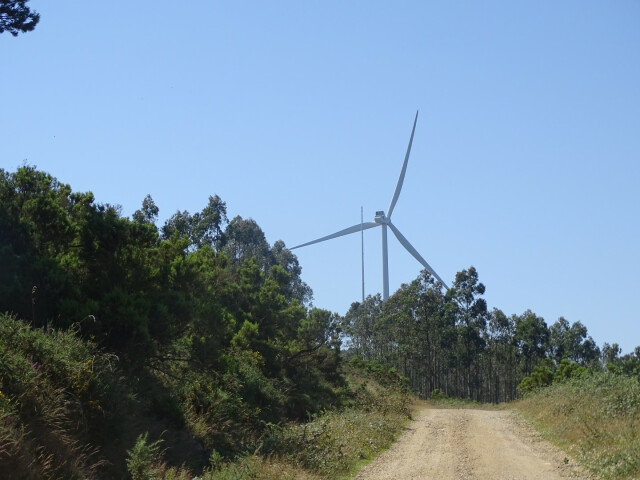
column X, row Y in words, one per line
column 143, row 458
column 568, row 369
column 541, row 376
column 438, row 394
column 333, row 442
column 384, row 374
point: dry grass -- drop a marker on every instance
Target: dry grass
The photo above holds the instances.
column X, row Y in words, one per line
column 596, row 420
column 45, row 402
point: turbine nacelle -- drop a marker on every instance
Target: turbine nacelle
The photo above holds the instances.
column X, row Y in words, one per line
column 381, row 218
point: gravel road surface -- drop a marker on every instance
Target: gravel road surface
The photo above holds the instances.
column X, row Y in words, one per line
column 469, row 444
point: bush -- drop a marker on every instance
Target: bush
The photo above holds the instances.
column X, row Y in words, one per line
column 438, row 394
column 541, row 376
column 384, row 374
column 567, row 370
column 333, row 442
column 143, row 458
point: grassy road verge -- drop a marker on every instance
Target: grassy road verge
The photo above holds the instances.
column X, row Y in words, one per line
column 594, row 419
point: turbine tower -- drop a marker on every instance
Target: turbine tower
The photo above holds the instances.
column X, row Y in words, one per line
column 384, row 221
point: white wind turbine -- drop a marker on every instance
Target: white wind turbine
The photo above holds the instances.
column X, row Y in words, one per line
column 384, row 221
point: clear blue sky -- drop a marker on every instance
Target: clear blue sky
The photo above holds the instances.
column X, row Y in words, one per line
column 525, row 163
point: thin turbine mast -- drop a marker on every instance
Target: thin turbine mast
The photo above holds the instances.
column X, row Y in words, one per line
column 362, row 249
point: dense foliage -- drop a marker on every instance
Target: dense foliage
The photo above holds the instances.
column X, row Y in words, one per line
column 450, row 343
column 117, row 331
column 16, row 17
column 67, row 410
column 209, row 324
column 58, row 395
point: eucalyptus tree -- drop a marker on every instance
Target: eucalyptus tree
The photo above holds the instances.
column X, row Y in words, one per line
column 202, row 228
column 502, row 363
column 571, row 342
column 531, row 339
column 244, row 239
column 468, row 312
column 610, row 353
column 395, row 339
column 429, row 333
column 359, row 326
column 208, row 224
column 148, row 213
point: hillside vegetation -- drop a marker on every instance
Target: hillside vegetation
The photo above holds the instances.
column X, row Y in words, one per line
column 132, row 350
column 69, row 411
column 129, row 349
column 595, row 418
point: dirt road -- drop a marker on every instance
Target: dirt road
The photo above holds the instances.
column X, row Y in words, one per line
column 471, row 444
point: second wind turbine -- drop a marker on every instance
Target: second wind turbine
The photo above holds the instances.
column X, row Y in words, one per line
column 384, row 221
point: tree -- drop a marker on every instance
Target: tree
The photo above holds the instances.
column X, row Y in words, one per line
column 572, row 342
column 244, row 239
column 178, row 224
column 207, row 225
column 203, row 228
column 502, row 356
column 318, row 329
column 558, row 333
column 610, row 353
column 16, row 17
column 531, row 339
column 35, row 229
column 295, row 288
column 470, row 314
column 359, row 323
column 148, row 213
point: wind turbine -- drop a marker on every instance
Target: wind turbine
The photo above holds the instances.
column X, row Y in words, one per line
column 384, row 221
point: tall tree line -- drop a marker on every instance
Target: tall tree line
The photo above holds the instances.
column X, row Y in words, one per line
column 450, row 341
column 212, row 295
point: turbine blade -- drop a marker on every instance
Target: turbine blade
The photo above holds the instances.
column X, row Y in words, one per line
column 396, row 194
column 346, row 231
column 405, row 243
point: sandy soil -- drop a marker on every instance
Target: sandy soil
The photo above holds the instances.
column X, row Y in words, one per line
column 471, row 444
